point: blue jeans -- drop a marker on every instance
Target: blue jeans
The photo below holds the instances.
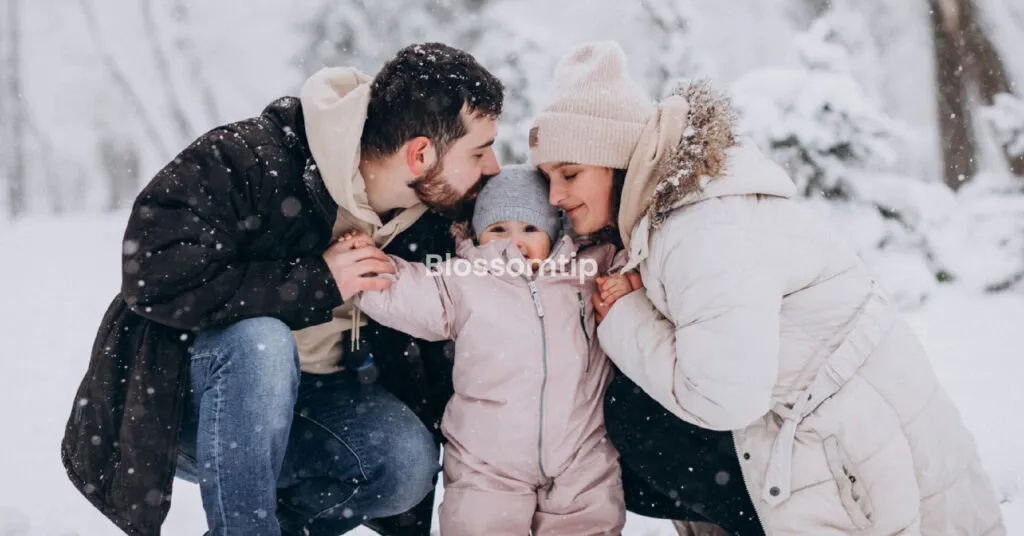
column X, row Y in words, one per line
column 276, row 451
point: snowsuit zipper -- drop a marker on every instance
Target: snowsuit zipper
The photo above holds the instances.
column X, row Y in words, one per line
column 583, row 325
column 544, row 378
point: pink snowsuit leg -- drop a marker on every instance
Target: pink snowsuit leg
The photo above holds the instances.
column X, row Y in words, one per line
column 586, row 500
column 480, row 499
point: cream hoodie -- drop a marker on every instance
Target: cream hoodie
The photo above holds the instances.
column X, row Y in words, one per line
column 334, row 103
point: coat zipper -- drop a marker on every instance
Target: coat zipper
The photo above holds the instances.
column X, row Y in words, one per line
column 583, row 324
column 544, row 379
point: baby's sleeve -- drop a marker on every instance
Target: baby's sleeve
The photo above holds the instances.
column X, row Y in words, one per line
column 418, row 302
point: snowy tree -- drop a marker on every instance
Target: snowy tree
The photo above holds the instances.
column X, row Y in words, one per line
column 843, row 150
column 353, row 33
column 185, row 90
column 840, row 148
column 969, row 68
column 674, row 57
column 1006, row 116
column 815, row 119
column 140, row 105
column 121, row 82
column 12, row 109
column 517, row 59
column 120, row 162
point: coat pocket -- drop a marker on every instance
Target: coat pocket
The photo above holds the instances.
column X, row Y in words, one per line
column 852, row 492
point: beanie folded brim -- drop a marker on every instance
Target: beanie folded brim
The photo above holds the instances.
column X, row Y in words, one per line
column 583, row 139
column 547, row 221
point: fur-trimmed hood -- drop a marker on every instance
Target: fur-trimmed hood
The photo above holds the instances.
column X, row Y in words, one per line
column 689, row 152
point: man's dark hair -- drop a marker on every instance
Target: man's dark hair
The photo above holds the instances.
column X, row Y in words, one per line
column 421, row 92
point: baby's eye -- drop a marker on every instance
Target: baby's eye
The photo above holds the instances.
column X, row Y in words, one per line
column 497, row 229
column 531, row 229
column 570, row 177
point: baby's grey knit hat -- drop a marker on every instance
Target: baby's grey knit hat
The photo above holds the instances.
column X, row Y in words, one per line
column 519, row 193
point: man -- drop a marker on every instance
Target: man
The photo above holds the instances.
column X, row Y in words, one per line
column 195, row 367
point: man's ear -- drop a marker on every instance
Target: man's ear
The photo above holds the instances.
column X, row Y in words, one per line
column 420, row 155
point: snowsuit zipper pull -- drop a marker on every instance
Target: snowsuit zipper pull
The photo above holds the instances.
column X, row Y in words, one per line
column 583, row 325
column 535, row 294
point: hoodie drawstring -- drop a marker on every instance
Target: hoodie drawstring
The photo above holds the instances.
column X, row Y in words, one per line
column 359, row 357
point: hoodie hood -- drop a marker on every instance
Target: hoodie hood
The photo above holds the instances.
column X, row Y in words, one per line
column 334, row 104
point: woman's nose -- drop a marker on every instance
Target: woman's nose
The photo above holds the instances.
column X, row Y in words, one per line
column 556, row 192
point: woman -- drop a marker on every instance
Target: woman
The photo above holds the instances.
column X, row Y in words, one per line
column 767, row 383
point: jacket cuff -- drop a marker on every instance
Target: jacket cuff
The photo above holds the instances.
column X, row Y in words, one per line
column 618, row 329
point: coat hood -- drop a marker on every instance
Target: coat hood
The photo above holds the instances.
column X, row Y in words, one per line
column 689, row 152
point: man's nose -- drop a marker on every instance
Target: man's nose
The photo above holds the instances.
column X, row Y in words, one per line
column 491, row 167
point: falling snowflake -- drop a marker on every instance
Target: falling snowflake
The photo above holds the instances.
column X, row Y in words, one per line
column 130, row 247
column 291, row 207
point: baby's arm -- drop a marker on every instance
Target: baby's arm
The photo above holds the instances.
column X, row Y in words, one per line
column 417, row 303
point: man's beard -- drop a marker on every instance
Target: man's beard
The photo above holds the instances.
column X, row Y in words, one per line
column 434, row 191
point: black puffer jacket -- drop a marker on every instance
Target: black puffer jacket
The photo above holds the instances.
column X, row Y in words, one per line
column 232, row 228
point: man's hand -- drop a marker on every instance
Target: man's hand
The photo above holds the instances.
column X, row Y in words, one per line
column 356, row 264
column 611, row 288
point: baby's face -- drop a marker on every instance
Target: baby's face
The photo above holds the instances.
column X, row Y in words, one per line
column 531, row 241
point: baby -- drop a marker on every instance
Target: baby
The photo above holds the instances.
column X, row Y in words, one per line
column 526, row 440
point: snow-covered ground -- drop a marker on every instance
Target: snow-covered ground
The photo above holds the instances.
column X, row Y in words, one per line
column 58, row 276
